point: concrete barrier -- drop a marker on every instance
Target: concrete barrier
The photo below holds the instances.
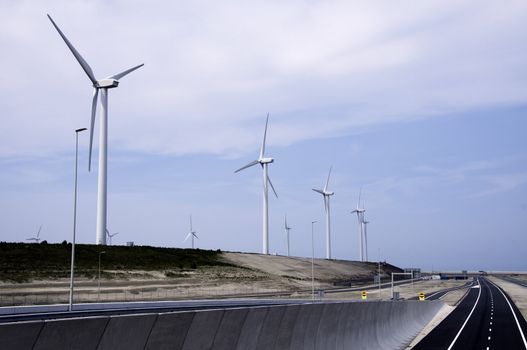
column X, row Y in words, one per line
column 68, row 334
column 283, row 338
column 203, row 330
column 127, row 332
column 21, row 335
column 328, row 325
column 267, row 337
column 228, row 333
column 251, row 328
column 169, row 331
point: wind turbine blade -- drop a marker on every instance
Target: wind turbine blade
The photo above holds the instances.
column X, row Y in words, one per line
column 262, row 149
column 327, row 181
column 85, row 66
column 195, row 235
column 40, row 228
column 319, row 191
column 93, row 110
column 360, row 192
column 272, row 187
column 190, row 234
column 248, row 165
column 126, row 72
column 325, row 204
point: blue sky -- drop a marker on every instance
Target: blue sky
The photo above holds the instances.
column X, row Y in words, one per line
column 424, row 106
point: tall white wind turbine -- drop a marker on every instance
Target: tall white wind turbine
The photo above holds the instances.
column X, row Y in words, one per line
column 36, row 239
column 191, row 234
column 287, row 229
column 326, row 194
column 264, row 161
column 360, row 218
column 111, row 235
column 103, row 85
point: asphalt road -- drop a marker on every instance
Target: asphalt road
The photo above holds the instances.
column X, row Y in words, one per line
column 485, row 319
column 442, row 292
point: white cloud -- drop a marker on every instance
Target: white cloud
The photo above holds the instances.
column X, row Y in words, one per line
column 214, row 69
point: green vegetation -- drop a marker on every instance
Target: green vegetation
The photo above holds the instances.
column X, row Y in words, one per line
column 21, row 262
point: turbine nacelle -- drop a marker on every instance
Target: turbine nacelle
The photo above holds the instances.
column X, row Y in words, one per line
column 107, row 83
column 324, row 193
column 265, row 160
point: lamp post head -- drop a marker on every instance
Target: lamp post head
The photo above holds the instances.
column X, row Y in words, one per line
column 79, row 130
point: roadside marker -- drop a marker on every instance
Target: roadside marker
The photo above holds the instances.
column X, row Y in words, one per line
column 422, row 296
column 364, row 295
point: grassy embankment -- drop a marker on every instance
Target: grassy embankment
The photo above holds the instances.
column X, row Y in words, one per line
column 22, row 262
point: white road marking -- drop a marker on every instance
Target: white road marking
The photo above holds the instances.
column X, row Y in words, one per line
column 464, row 324
column 513, row 314
column 489, row 337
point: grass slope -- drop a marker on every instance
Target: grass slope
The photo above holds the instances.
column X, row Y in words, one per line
column 21, row 262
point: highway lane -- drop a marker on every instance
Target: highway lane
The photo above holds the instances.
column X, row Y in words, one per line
column 485, row 319
column 442, row 292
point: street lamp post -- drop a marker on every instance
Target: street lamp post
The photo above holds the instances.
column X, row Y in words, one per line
column 99, row 277
column 70, row 305
column 312, row 260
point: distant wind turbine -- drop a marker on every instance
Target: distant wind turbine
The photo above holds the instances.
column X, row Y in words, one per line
column 360, row 216
column 103, row 85
column 366, row 238
column 110, row 235
column 287, row 229
column 191, row 234
column 326, row 194
column 37, row 238
column 263, row 161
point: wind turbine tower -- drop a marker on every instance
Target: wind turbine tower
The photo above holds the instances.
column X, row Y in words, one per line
column 366, row 238
column 326, row 194
column 264, row 162
column 360, row 218
column 287, row 229
column 101, row 85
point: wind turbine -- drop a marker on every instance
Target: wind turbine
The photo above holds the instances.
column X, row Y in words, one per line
column 324, row 192
column 360, row 216
column 103, row 85
column 191, row 234
column 110, row 235
column 366, row 238
column 263, row 161
column 287, row 229
column 37, row 238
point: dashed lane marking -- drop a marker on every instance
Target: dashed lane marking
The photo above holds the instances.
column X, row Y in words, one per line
column 468, row 317
column 513, row 314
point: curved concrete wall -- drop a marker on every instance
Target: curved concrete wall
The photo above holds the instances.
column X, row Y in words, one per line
column 331, row 325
